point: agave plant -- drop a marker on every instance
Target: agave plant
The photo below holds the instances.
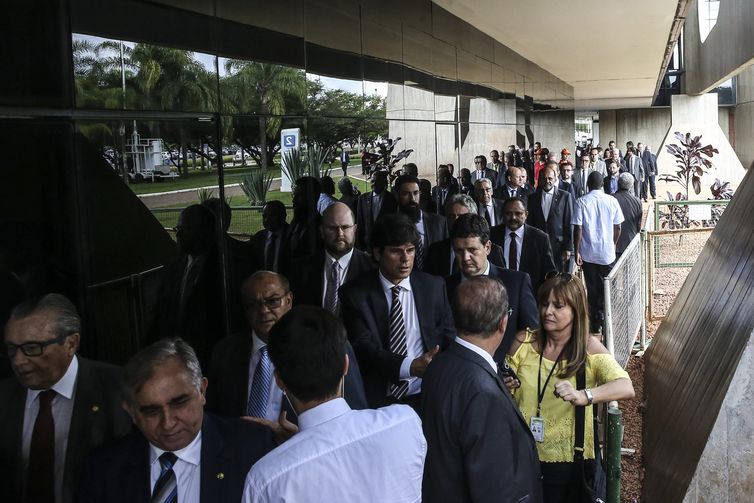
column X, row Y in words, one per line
column 316, row 160
column 204, row 193
column 256, row 185
column 692, row 162
column 293, row 165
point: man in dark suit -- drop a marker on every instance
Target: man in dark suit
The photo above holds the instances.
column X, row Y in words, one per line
column 649, row 160
column 525, row 248
column 266, row 244
column 302, row 238
column 566, row 180
column 345, row 159
column 372, row 206
column 397, row 318
column 165, row 398
column 317, row 279
column 550, row 211
column 472, row 245
column 610, row 183
column 57, row 408
column 479, row 447
column 635, row 167
column 441, row 259
column 630, row 206
column 240, row 373
column 487, row 206
column 482, row 171
column 511, row 187
column 443, row 191
column 431, row 228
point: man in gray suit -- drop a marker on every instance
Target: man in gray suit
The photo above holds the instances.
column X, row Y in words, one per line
column 650, row 170
column 635, row 167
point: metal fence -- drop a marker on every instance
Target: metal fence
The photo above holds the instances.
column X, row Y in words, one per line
column 624, row 302
column 244, row 222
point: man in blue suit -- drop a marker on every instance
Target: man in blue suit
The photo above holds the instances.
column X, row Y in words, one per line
column 180, row 452
column 472, row 244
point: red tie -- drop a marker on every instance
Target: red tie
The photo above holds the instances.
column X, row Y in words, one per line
column 41, row 477
column 512, row 253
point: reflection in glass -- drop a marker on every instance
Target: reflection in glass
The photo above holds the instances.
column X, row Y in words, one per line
column 263, row 88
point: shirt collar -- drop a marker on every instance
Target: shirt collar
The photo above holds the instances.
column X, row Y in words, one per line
column 481, row 352
column 486, row 272
column 519, row 232
column 256, row 343
column 550, row 192
column 343, row 261
column 322, row 413
column 66, row 385
column 387, row 285
column 191, row 454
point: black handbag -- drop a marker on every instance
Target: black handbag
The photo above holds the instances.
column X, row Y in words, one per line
column 593, row 477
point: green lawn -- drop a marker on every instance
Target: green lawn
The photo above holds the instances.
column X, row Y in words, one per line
column 197, row 178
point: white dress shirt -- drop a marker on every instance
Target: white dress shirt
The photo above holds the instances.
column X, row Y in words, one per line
column 186, row 468
column 507, row 246
column 62, row 411
column 491, row 209
column 422, row 232
column 324, row 201
column 481, row 352
column 414, row 342
column 344, row 455
column 596, row 213
column 547, row 197
column 275, row 397
column 343, row 261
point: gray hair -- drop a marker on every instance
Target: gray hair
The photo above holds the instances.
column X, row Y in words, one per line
column 463, row 199
column 625, row 181
column 479, row 305
column 67, row 320
column 481, row 181
column 142, row 365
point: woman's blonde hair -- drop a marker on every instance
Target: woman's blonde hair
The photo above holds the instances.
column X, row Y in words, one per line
column 569, row 290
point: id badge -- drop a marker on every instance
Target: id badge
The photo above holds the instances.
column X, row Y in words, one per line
column 537, row 426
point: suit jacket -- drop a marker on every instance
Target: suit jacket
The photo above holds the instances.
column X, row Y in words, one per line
column 437, row 205
column 307, row 284
column 578, row 179
column 364, row 216
column 97, row 418
column 558, row 224
column 365, row 312
column 479, row 447
column 569, row 187
column 606, row 185
column 520, row 300
column 258, row 241
column 489, row 174
column 536, row 253
column 119, row 473
column 630, row 205
column 438, row 258
column 503, row 193
column 497, row 208
column 649, row 160
column 301, row 240
column 636, row 168
column 435, row 228
column 228, row 379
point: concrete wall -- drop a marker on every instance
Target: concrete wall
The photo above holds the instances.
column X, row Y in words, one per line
column 555, row 130
column 646, row 125
column 744, row 117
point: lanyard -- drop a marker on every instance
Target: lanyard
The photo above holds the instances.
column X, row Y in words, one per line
column 541, row 391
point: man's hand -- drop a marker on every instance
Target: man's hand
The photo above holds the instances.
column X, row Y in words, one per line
column 282, row 429
column 579, row 261
column 419, row 365
column 566, row 255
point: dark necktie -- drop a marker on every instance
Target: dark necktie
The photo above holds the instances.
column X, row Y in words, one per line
column 166, row 487
column 512, row 253
column 487, row 215
column 333, row 281
column 419, row 260
column 41, row 476
column 269, row 259
column 260, row 386
column 397, row 340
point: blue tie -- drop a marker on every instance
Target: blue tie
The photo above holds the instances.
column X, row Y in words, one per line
column 166, row 487
column 260, row 386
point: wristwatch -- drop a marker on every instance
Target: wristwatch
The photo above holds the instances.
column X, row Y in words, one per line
column 589, row 396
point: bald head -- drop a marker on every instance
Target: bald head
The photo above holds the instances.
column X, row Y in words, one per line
column 338, row 229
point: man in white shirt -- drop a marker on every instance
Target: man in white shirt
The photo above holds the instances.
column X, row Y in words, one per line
column 596, row 229
column 57, row 407
column 180, row 453
column 339, row 454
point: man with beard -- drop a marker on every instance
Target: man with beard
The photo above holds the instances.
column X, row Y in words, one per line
column 431, row 228
column 550, row 211
column 371, row 206
column 610, row 183
column 302, row 238
column 317, row 279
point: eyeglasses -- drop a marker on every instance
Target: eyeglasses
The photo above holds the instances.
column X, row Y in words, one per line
column 271, row 303
column 555, row 274
column 34, row 348
column 335, row 228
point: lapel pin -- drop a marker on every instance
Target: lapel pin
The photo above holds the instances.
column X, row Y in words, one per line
column 220, row 476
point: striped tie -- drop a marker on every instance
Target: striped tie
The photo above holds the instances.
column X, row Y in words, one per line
column 260, row 386
column 419, row 256
column 333, row 282
column 397, row 340
column 166, row 488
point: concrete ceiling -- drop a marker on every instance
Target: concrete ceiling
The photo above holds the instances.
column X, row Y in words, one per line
column 610, row 51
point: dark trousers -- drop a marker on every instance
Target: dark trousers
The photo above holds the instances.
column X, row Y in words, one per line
column 594, row 274
column 650, row 182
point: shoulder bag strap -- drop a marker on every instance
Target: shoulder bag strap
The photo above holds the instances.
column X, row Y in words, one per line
column 578, row 449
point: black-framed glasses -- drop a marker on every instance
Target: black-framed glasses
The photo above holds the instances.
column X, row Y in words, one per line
column 567, row 276
column 34, row 348
column 271, row 303
column 336, row 228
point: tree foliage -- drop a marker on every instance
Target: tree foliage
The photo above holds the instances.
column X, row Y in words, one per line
column 692, row 162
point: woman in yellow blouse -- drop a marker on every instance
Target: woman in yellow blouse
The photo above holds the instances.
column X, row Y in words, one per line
column 546, row 362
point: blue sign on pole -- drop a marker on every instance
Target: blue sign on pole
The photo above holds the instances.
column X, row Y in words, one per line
column 289, row 140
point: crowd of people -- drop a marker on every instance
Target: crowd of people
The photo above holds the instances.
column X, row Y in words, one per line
column 413, row 343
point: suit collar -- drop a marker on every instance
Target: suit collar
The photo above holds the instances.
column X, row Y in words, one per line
column 478, row 351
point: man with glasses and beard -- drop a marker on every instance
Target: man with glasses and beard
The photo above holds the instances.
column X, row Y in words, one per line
column 431, row 228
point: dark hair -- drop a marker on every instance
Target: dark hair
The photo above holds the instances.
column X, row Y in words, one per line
column 483, row 159
column 277, row 206
column 393, row 229
column 479, row 304
column 216, row 205
column 310, row 188
column 142, row 365
column 515, row 199
column 67, row 320
column 308, row 346
column 327, row 185
column 411, row 169
column 594, row 180
column 471, row 225
column 404, row 179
